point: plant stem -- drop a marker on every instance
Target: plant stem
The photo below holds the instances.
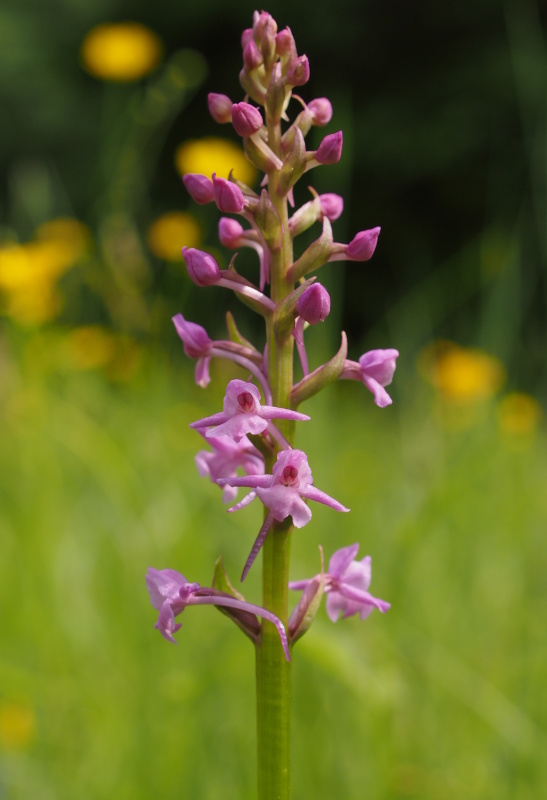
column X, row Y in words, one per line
column 273, row 671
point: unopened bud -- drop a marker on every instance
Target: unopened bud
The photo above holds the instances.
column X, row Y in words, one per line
column 229, row 232
column 314, row 304
column 220, row 107
column 202, row 268
column 285, row 44
column 246, row 119
column 252, row 57
column 330, row 149
column 363, row 245
column 228, row 196
column 332, row 205
column 246, row 37
column 321, row 110
column 299, row 71
column 199, row 187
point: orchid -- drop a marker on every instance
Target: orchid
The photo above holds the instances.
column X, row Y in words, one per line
column 244, row 414
column 283, row 494
column 252, row 439
column 170, row 593
column 346, row 583
column 226, row 458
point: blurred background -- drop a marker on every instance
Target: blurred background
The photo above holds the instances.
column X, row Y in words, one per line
column 445, row 129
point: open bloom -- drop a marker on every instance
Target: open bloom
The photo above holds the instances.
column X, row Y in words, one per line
column 283, row 493
column 170, row 593
column 375, row 369
column 226, row 458
column 346, row 583
column 244, row 414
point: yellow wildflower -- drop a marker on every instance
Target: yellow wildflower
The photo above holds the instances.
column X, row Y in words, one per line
column 122, row 52
column 519, row 414
column 461, row 375
column 169, row 233
column 17, row 724
column 209, row 155
column 88, row 347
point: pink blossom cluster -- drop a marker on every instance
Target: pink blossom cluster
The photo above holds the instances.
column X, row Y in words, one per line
column 250, row 425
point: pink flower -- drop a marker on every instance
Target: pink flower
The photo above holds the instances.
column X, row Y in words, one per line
column 321, row 109
column 197, row 344
column 199, row 187
column 170, row 593
column 332, row 205
column 244, row 414
column 227, row 457
column 330, row 149
column 314, row 304
column 220, row 107
column 375, row 369
column 363, row 245
column 283, row 493
column 299, row 71
column 202, row 268
column 228, row 196
column 346, row 583
column 246, row 119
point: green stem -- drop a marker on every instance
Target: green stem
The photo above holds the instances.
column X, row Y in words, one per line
column 273, row 671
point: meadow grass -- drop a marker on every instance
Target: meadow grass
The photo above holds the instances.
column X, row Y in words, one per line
column 443, row 697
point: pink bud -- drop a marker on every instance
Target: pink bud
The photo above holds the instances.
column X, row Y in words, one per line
column 330, row 149
column 284, row 43
column 199, row 187
column 252, row 57
column 299, row 71
column 197, row 343
column 220, row 107
column 229, row 232
column 321, row 109
column 202, row 268
column 246, row 119
column 332, row 205
column 246, row 37
column 228, row 196
column 314, row 304
column 363, row 245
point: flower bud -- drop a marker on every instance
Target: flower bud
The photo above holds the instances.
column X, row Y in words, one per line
column 246, row 37
column 220, row 107
column 363, row 245
column 330, row 149
column 285, row 44
column 196, row 341
column 246, row 119
column 314, row 304
column 321, row 109
column 277, row 95
column 332, row 205
column 299, row 71
column 229, row 232
column 228, row 196
column 202, row 268
column 199, row 187
column 252, row 57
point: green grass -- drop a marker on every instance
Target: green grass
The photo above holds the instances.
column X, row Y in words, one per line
column 443, row 697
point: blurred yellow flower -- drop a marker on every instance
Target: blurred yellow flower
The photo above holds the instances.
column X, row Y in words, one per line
column 461, row 375
column 168, row 234
column 88, row 347
column 519, row 414
column 29, row 272
column 209, row 155
column 123, row 52
column 17, row 725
